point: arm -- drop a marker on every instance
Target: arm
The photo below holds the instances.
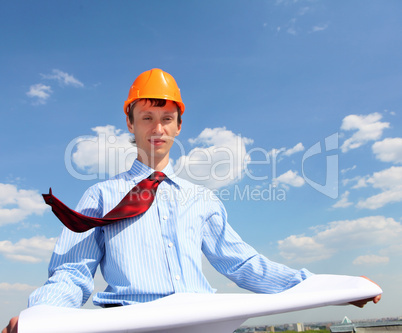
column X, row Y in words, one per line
column 70, row 278
column 71, row 270
column 241, row 263
column 12, row 326
column 74, row 262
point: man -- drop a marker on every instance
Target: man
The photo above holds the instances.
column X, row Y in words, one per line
column 159, row 252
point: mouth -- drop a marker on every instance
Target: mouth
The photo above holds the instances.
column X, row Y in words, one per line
column 156, row 142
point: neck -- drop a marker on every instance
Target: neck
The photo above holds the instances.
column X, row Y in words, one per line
column 154, row 163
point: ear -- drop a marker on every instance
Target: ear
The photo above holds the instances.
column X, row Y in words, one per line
column 130, row 125
column 179, row 128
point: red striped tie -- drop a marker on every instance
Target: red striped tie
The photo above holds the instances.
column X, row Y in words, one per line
column 136, row 202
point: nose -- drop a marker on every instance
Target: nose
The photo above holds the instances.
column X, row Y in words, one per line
column 157, row 128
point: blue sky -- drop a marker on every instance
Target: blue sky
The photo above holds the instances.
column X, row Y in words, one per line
column 305, row 94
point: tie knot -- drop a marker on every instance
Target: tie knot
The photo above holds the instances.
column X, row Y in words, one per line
column 158, row 176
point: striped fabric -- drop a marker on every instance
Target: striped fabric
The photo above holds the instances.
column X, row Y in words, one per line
column 136, row 202
column 158, row 253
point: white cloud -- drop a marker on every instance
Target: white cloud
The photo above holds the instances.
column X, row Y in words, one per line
column 289, row 27
column 320, row 27
column 343, row 171
column 16, row 287
column 371, row 229
column 297, row 148
column 343, row 202
column 371, row 259
column 63, row 78
column 390, row 182
column 392, row 250
column 386, row 179
column 303, row 11
column 360, row 182
column 291, row 31
column 303, row 249
column 367, row 128
column 109, row 152
column 278, row 154
column 388, row 150
column 16, row 205
column 285, row 2
column 32, row 250
column 340, row 236
column 290, row 178
column 274, row 153
column 40, row 92
column 219, row 161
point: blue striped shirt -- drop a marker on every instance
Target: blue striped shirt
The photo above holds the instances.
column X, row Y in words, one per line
column 157, row 253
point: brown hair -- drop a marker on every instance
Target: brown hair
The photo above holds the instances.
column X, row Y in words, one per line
column 154, row 102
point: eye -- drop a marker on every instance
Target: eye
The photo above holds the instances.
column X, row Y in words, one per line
column 168, row 117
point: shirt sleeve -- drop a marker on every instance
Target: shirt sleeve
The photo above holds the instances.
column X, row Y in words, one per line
column 240, row 262
column 74, row 261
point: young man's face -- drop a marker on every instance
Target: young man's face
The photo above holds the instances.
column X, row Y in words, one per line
column 155, row 129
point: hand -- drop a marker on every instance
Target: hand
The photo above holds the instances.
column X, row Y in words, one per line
column 12, row 326
column 361, row 303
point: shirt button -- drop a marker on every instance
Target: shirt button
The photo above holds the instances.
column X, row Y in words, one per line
column 165, row 217
column 170, row 244
column 177, row 277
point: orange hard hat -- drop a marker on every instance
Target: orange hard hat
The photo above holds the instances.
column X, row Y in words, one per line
column 154, row 83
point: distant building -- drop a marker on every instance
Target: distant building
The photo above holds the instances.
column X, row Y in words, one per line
column 299, row 327
column 370, row 327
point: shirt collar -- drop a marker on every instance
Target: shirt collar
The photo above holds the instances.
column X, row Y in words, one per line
column 140, row 171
